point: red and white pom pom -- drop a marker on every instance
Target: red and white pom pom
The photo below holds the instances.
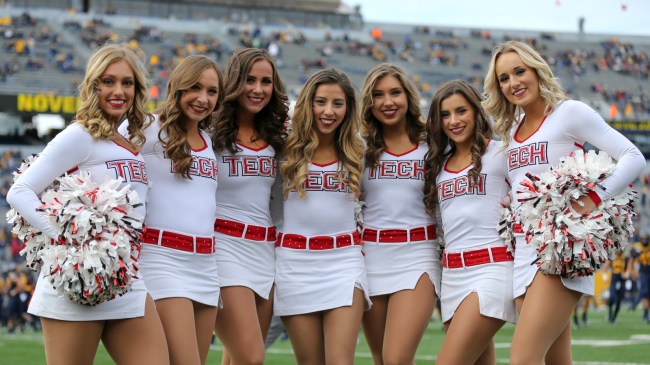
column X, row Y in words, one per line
column 94, row 258
column 33, row 239
column 507, row 223
column 568, row 243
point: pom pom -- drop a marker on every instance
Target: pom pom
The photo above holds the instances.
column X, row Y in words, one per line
column 507, row 223
column 570, row 244
column 94, row 258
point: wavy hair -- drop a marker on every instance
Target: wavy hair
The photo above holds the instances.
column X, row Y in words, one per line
column 496, row 104
column 92, row 117
column 372, row 128
column 173, row 129
column 438, row 140
column 269, row 123
column 302, row 141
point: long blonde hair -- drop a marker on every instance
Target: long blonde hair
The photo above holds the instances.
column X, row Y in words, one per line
column 91, row 116
column 172, row 119
column 372, row 128
column 302, row 141
column 496, row 104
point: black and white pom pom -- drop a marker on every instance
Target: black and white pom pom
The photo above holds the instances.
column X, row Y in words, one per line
column 506, row 224
column 568, row 243
column 33, row 239
column 95, row 256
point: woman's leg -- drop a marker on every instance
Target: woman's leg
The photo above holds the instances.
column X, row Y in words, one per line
column 71, row 343
column 408, row 315
column 374, row 326
column 543, row 320
column 306, row 335
column 341, row 330
column 469, row 334
column 238, row 326
column 204, row 318
column 177, row 316
column 137, row 341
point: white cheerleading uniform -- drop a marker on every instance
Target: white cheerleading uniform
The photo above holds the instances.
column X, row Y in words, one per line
column 243, row 196
column 393, row 192
column 565, row 130
column 309, row 280
column 180, row 206
column 470, row 216
column 74, row 148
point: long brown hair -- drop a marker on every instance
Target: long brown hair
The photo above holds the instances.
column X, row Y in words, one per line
column 440, row 146
column 269, row 123
column 172, row 119
column 415, row 124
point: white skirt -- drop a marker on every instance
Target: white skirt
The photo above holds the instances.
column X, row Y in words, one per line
column 170, row 273
column 313, row 281
column 46, row 303
column 246, row 263
column 492, row 282
column 392, row 267
column 525, row 271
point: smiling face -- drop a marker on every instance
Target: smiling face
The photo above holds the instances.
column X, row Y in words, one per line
column 458, row 120
column 116, row 90
column 329, row 108
column 390, row 103
column 518, row 82
column 258, row 88
column 200, row 99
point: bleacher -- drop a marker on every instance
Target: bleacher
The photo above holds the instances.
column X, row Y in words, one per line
column 459, row 53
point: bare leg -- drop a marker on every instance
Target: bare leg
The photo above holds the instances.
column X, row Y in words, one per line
column 341, row 330
column 306, row 335
column 469, row 334
column 177, row 316
column 137, row 341
column 545, row 313
column 374, row 325
column 71, row 343
column 407, row 318
column 238, row 326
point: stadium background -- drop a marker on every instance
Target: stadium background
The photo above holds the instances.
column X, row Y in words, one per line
column 45, row 44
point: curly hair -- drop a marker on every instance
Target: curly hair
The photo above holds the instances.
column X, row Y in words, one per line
column 372, row 128
column 173, row 130
column 496, row 104
column 92, row 117
column 269, row 123
column 302, row 141
column 439, row 141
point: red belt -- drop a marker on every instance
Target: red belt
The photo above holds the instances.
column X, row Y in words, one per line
column 424, row 233
column 476, row 257
column 247, row 231
column 298, row 242
column 177, row 241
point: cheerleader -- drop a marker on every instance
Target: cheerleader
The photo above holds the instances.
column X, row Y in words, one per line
column 321, row 282
column 539, row 125
column 114, row 88
column 178, row 255
column 249, row 132
column 401, row 253
column 467, row 180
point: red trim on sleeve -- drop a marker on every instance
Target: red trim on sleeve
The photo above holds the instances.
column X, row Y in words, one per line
column 594, row 197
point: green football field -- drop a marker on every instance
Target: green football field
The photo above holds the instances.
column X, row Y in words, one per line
column 625, row 343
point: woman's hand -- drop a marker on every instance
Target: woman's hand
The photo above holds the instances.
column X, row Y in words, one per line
column 583, row 205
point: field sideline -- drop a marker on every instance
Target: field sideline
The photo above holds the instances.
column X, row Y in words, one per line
column 625, row 343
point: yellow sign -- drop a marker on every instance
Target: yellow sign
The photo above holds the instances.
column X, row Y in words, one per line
column 54, row 104
column 631, row 126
